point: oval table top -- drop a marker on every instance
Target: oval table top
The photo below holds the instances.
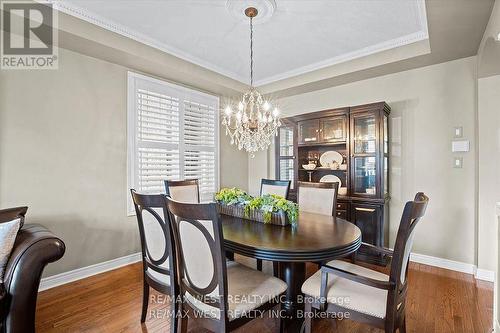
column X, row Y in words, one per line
column 315, row 238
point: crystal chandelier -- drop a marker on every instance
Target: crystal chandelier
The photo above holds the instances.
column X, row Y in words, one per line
column 252, row 122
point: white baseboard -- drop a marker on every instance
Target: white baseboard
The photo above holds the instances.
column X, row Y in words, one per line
column 443, row 263
column 480, row 274
column 484, row 274
column 80, row 273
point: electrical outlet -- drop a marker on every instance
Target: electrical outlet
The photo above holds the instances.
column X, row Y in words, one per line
column 458, row 162
column 458, row 132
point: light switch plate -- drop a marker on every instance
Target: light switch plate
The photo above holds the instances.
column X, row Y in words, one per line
column 458, row 132
column 458, row 162
column 460, row 146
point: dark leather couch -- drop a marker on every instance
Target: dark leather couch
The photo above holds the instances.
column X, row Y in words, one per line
column 34, row 248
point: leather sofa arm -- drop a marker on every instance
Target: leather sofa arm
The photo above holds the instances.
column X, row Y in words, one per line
column 34, row 248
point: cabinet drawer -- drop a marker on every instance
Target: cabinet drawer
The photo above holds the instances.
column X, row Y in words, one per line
column 342, row 205
column 342, row 214
column 368, row 218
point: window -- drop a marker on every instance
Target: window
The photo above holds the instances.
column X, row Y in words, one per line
column 172, row 133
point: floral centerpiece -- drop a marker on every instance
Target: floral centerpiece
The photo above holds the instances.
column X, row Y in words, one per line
column 269, row 208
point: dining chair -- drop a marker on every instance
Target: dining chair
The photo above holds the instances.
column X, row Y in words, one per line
column 319, row 198
column 277, row 187
column 187, row 191
column 183, row 190
column 157, row 248
column 368, row 296
column 221, row 294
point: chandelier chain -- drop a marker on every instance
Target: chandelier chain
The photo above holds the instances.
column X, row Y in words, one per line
column 251, row 51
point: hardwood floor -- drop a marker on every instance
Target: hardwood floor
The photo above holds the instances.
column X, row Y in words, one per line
column 439, row 300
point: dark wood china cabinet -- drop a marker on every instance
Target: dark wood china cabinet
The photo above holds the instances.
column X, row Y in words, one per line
column 360, row 134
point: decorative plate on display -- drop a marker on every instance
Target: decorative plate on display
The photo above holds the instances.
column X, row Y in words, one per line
column 330, row 179
column 329, row 157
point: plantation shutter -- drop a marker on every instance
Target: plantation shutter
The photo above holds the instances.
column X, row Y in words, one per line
column 172, row 135
column 200, row 145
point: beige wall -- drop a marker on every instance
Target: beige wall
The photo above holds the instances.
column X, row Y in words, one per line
column 233, row 164
column 489, row 179
column 426, row 104
column 63, row 153
column 257, row 170
column 489, row 166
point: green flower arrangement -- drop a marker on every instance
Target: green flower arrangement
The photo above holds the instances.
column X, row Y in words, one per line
column 268, row 204
column 232, row 196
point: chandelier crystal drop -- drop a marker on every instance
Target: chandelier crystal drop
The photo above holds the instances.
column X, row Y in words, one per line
column 252, row 122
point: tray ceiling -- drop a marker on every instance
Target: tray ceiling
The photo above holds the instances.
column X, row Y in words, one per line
column 300, row 37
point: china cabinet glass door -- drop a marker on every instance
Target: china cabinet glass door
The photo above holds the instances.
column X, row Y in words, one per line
column 308, row 131
column 386, row 156
column 365, row 172
column 286, row 157
column 364, row 154
column 333, row 129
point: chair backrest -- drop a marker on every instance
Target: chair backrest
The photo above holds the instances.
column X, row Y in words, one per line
column 198, row 239
column 412, row 213
column 183, row 190
column 157, row 246
column 10, row 214
column 278, row 187
column 319, row 198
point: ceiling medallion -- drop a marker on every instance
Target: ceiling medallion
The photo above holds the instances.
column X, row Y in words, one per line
column 252, row 122
column 265, row 9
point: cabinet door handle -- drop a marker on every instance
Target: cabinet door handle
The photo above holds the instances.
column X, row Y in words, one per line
column 365, row 209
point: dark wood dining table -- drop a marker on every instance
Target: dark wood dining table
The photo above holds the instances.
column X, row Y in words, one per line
column 314, row 238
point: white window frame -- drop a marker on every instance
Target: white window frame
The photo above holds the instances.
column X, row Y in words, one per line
column 182, row 92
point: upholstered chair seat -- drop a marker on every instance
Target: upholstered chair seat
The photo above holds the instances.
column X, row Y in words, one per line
column 188, row 193
column 183, row 190
column 361, row 298
column 248, row 289
column 319, row 198
column 277, row 187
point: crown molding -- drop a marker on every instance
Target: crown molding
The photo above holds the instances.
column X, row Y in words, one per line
column 130, row 33
column 139, row 37
column 372, row 49
column 423, row 34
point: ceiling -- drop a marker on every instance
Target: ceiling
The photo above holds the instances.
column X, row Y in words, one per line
column 299, row 38
column 456, row 28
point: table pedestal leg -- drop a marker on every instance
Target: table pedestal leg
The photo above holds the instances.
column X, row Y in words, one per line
column 294, row 274
column 230, row 255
